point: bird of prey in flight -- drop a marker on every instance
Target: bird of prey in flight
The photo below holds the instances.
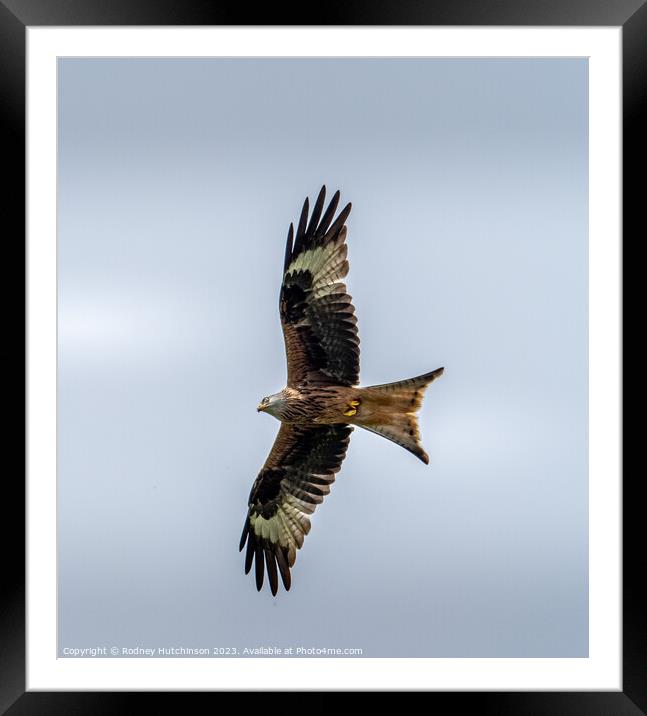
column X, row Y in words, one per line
column 321, row 403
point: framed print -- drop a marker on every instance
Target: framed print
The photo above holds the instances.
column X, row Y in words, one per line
column 166, row 158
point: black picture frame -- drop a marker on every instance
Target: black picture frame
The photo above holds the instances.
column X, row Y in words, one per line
column 15, row 17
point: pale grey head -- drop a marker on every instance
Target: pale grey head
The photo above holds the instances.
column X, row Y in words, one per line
column 273, row 404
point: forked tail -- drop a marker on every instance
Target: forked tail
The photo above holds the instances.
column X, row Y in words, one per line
column 390, row 410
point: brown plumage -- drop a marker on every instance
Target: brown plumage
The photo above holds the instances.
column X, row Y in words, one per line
column 320, row 404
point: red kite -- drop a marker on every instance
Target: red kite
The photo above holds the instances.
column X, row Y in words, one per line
column 321, row 403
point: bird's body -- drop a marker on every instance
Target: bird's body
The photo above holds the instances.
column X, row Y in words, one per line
column 317, row 405
column 321, row 402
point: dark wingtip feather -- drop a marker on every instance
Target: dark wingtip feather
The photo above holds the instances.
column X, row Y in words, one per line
column 243, row 537
column 259, row 562
column 303, row 219
column 327, row 217
column 301, row 229
column 271, row 569
column 249, row 555
column 316, row 212
column 339, row 222
column 284, row 570
column 288, row 248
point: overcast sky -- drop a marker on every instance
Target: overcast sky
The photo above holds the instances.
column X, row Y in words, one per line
column 468, row 249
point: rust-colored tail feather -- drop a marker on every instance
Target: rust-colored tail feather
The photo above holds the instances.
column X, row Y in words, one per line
column 390, row 410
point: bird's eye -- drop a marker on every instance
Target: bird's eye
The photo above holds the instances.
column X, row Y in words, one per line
column 265, row 400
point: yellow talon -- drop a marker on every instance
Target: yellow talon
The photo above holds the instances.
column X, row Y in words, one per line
column 350, row 413
column 353, row 403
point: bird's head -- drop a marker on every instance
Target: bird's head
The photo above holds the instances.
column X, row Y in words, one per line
column 271, row 404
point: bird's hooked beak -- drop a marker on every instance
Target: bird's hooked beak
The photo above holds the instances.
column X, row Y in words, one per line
column 260, row 408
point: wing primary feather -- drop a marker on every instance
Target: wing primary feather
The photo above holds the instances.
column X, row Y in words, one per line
column 339, row 222
column 327, row 217
column 301, row 229
column 288, row 248
column 271, row 568
column 259, row 564
column 316, row 212
column 284, row 570
column 243, row 537
column 249, row 555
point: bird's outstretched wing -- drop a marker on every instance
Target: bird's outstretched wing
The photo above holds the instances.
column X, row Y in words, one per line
column 294, row 480
column 317, row 315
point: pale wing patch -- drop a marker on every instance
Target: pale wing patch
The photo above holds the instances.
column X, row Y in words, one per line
column 327, row 264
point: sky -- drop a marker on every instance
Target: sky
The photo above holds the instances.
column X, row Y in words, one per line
column 177, row 181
